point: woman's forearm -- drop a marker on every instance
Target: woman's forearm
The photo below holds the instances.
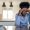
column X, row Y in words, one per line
column 28, row 11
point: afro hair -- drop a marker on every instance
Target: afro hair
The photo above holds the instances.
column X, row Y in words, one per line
column 24, row 5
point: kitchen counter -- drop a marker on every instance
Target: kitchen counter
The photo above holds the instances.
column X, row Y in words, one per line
column 7, row 23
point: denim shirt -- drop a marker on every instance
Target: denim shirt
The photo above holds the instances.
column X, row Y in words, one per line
column 29, row 18
column 20, row 20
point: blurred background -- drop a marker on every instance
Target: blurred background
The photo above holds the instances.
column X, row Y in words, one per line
column 7, row 27
column 8, row 11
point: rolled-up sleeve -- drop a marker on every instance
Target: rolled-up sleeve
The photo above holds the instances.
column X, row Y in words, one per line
column 29, row 17
column 17, row 22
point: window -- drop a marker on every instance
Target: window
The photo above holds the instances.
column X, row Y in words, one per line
column 4, row 14
column 8, row 15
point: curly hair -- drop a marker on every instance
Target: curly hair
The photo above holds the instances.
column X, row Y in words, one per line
column 24, row 5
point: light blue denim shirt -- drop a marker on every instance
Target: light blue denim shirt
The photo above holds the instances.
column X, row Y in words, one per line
column 20, row 20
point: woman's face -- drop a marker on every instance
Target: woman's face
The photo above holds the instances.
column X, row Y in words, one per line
column 24, row 11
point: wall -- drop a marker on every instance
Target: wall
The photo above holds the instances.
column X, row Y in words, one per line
column 15, row 5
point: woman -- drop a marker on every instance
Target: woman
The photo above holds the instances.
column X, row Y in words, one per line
column 22, row 17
